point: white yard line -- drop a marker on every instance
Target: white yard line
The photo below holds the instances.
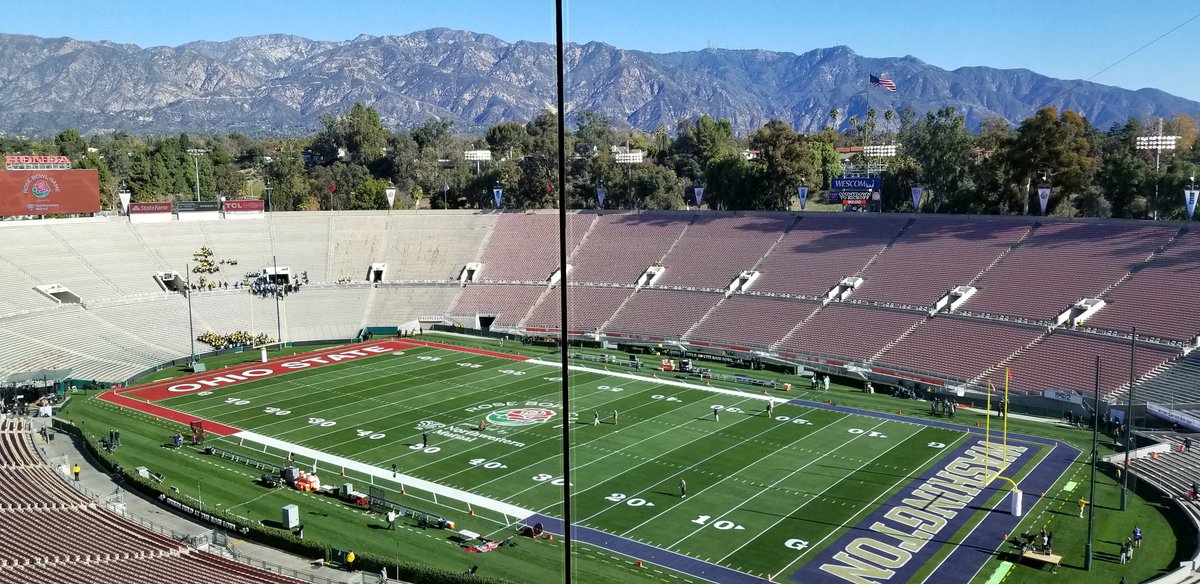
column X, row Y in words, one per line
column 662, row 381
column 385, row 474
column 864, row 508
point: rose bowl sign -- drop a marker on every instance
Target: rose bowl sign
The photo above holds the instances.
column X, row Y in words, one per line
column 48, row 192
column 520, row 417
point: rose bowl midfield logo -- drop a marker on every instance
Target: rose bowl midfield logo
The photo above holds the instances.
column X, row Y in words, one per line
column 520, row 416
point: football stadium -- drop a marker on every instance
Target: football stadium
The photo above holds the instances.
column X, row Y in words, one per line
column 237, row 396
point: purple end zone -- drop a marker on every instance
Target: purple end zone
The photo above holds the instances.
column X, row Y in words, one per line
column 646, row 553
column 966, row 557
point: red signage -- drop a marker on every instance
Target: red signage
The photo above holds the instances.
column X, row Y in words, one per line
column 27, row 159
column 245, row 205
column 48, row 192
column 149, row 208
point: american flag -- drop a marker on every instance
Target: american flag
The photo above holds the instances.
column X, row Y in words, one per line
column 881, row 82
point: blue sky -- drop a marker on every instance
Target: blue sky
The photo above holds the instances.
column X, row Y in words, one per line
column 1067, row 39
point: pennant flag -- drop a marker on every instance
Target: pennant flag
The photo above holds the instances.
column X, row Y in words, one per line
column 549, row 188
column 803, row 192
column 887, row 84
column 916, row 195
column 1189, row 199
column 600, row 194
column 391, row 195
column 124, row 201
column 699, row 195
column 1044, row 197
column 445, row 187
column 332, row 188
column 496, row 194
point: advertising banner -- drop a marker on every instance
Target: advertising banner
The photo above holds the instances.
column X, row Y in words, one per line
column 849, row 198
column 124, row 196
column 699, row 195
column 48, row 192
column 136, row 208
column 916, row 196
column 497, row 193
column 391, row 196
column 803, row 192
column 245, row 206
column 855, row 184
column 197, row 206
column 1189, row 199
column 150, row 213
column 600, row 194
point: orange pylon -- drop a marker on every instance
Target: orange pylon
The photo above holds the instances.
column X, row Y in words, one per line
column 639, row 564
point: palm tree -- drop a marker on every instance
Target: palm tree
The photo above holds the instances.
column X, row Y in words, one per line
column 854, row 126
column 870, row 121
column 888, row 116
column 836, row 114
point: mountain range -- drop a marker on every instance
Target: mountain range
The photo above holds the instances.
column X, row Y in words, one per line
column 282, row 84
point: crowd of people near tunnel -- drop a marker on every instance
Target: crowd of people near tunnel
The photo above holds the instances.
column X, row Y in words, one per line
column 205, row 262
column 234, row 339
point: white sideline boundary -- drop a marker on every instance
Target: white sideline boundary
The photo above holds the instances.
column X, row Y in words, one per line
column 475, row 501
column 661, row 381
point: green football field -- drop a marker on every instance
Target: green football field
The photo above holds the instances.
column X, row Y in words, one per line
column 764, row 493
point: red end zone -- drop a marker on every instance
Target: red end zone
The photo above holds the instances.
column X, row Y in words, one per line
column 139, row 397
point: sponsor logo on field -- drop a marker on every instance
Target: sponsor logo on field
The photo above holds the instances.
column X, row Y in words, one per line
column 429, row 425
column 520, row 416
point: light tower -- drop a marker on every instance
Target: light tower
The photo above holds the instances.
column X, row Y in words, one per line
column 1157, row 143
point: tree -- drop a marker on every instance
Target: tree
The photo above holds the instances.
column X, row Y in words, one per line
column 714, row 139
column 786, row 160
column 1060, row 148
column 1123, row 173
column 940, row 145
column 70, row 144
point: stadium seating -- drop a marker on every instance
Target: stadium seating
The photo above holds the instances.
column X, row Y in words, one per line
column 1062, row 263
column 126, row 324
column 933, row 256
column 620, row 247
column 1066, row 361
column 715, row 249
column 508, row 303
column 821, row 249
column 588, row 307
column 958, row 348
column 662, row 313
column 52, row 533
column 849, row 331
column 756, row 321
column 524, row 247
column 1157, row 298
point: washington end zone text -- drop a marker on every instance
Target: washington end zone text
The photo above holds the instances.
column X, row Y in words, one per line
column 909, row 526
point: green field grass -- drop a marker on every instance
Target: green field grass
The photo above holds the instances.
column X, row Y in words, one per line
column 753, row 481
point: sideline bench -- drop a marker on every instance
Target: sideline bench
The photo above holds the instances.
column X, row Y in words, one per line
column 1052, row 559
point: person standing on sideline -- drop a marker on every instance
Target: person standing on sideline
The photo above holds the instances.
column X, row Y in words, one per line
column 615, row 417
column 391, row 517
column 1124, row 552
column 1137, row 536
column 770, row 408
column 595, row 417
column 75, row 470
column 682, row 488
column 350, row 561
column 716, row 414
column 425, row 439
column 1083, row 503
column 383, row 576
column 826, row 383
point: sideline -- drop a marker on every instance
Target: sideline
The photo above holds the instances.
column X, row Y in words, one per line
column 662, row 381
column 401, row 479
